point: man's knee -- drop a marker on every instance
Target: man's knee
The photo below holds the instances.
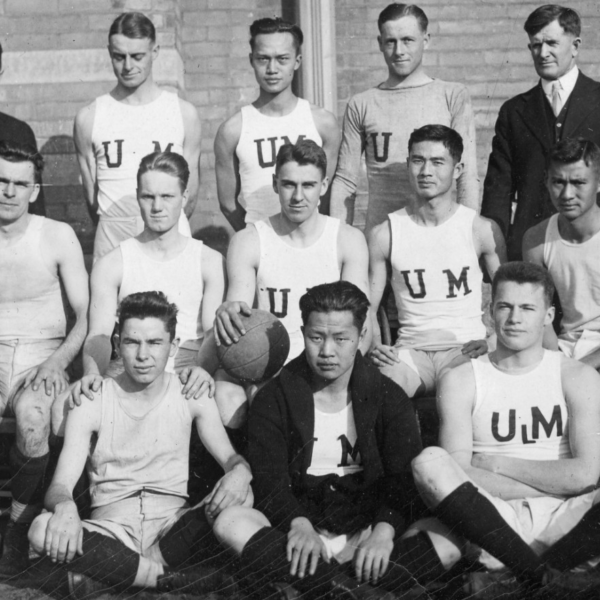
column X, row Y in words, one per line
column 37, row 532
column 32, row 410
column 236, row 522
column 430, row 465
column 406, row 377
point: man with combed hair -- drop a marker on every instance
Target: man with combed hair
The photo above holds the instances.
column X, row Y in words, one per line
column 115, row 131
column 568, row 245
column 433, row 247
column 277, row 259
column 519, row 450
column 564, row 104
column 378, row 122
column 160, row 258
column 330, row 443
column 38, row 256
column 140, row 530
column 247, row 143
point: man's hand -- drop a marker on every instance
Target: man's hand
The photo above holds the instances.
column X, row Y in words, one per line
column 382, row 355
column 228, row 325
column 51, row 375
column 475, row 348
column 86, row 386
column 196, row 381
column 233, row 489
column 304, row 548
column 372, row 556
column 64, row 533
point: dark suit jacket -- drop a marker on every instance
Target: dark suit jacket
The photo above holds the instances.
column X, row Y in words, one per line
column 280, row 445
column 13, row 130
column 517, row 164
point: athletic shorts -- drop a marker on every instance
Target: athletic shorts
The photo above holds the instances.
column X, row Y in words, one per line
column 425, row 367
column 576, row 345
column 184, row 358
column 139, row 521
column 16, row 358
column 342, row 547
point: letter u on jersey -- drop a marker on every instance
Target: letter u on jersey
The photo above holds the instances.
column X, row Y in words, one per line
column 272, row 149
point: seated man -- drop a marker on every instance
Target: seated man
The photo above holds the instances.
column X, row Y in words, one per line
column 433, row 247
column 279, row 258
column 139, row 530
column 160, row 258
column 520, row 449
column 330, row 442
column 568, row 245
column 38, row 256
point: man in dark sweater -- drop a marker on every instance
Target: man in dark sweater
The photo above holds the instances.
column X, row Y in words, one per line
column 330, row 445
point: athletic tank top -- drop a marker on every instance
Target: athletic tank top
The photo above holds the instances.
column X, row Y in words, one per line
column 260, row 140
column 122, row 135
column 575, row 269
column 179, row 278
column 436, row 281
column 134, row 453
column 31, row 306
column 285, row 273
column 521, row 416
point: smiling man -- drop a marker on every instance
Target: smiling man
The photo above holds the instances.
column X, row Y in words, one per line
column 564, row 104
column 247, row 143
column 115, row 131
column 433, row 247
column 568, row 245
column 378, row 122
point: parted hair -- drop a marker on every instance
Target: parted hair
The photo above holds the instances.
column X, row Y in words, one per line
column 396, row 10
column 336, row 296
column 17, row 152
column 305, row 152
column 450, row 138
column 525, row 272
column 276, row 25
column 567, row 18
column 144, row 305
column 573, row 150
column 170, row 163
column 135, row 25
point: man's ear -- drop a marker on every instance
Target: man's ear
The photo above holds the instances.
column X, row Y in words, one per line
column 116, row 339
column 298, row 60
column 458, row 169
column 174, row 347
column 550, row 316
column 275, row 189
column 155, row 51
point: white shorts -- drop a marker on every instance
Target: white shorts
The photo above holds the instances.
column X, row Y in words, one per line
column 342, row 547
column 580, row 344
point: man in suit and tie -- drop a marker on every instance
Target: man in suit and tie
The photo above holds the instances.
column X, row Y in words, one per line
column 564, row 104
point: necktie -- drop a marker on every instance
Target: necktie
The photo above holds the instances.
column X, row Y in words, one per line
column 556, row 101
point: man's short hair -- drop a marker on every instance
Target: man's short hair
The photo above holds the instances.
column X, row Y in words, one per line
column 525, row 272
column 144, row 305
column 276, row 25
column 395, row 11
column 170, row 163
column 305, row 152
column 336, row 296
column 135, row 25
column 17, row 152
column 573, row 150
column 450, row 138
column 541, row 17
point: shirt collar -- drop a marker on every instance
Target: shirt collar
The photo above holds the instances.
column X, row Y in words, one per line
column 567, row 81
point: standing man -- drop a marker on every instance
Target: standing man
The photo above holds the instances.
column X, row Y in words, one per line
column 379, row 122
column 115, row 131
column 246, row 144
column 568, row 245
column 433, row 247
column 564, row 104
column 38, row 256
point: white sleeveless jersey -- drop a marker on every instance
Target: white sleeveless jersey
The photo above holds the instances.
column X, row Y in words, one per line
column 260, row 140
column 521, row 416
column 133, row 453
column 575, row 269
column 285, row 273
column 436, row 280
column 179, row 278
column 122, row 135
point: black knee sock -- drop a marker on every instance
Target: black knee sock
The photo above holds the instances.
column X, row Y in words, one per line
column 27, row 482
column 106, row 560
column 580, row 544
column 473, row 516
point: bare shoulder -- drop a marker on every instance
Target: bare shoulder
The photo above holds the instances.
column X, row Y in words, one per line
column 534, row 239
column 84, row 119
column 351, row 234
column 323, row 118
column 211, row 259
column 59, row 238
column 188, row 110
column 87, row 416
column 457, row 386
column 486, row 230
column 580, row 381
column 108, row 269
column 245, row 244
column 380, row 236
column 229, row 132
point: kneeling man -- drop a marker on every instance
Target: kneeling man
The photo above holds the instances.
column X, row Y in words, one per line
column 140, row 422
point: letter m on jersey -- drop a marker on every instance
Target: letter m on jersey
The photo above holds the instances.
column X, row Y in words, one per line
column 262, row 161
column 454, row 283
column 157, row 147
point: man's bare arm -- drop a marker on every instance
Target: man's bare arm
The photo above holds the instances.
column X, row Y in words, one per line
column 82, row 136
column 228, row 172
column 490, row 244
column 191, row 152
column 328, row 129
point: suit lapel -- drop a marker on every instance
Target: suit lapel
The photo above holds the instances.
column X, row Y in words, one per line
column 580, row 105
column 534, row 116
